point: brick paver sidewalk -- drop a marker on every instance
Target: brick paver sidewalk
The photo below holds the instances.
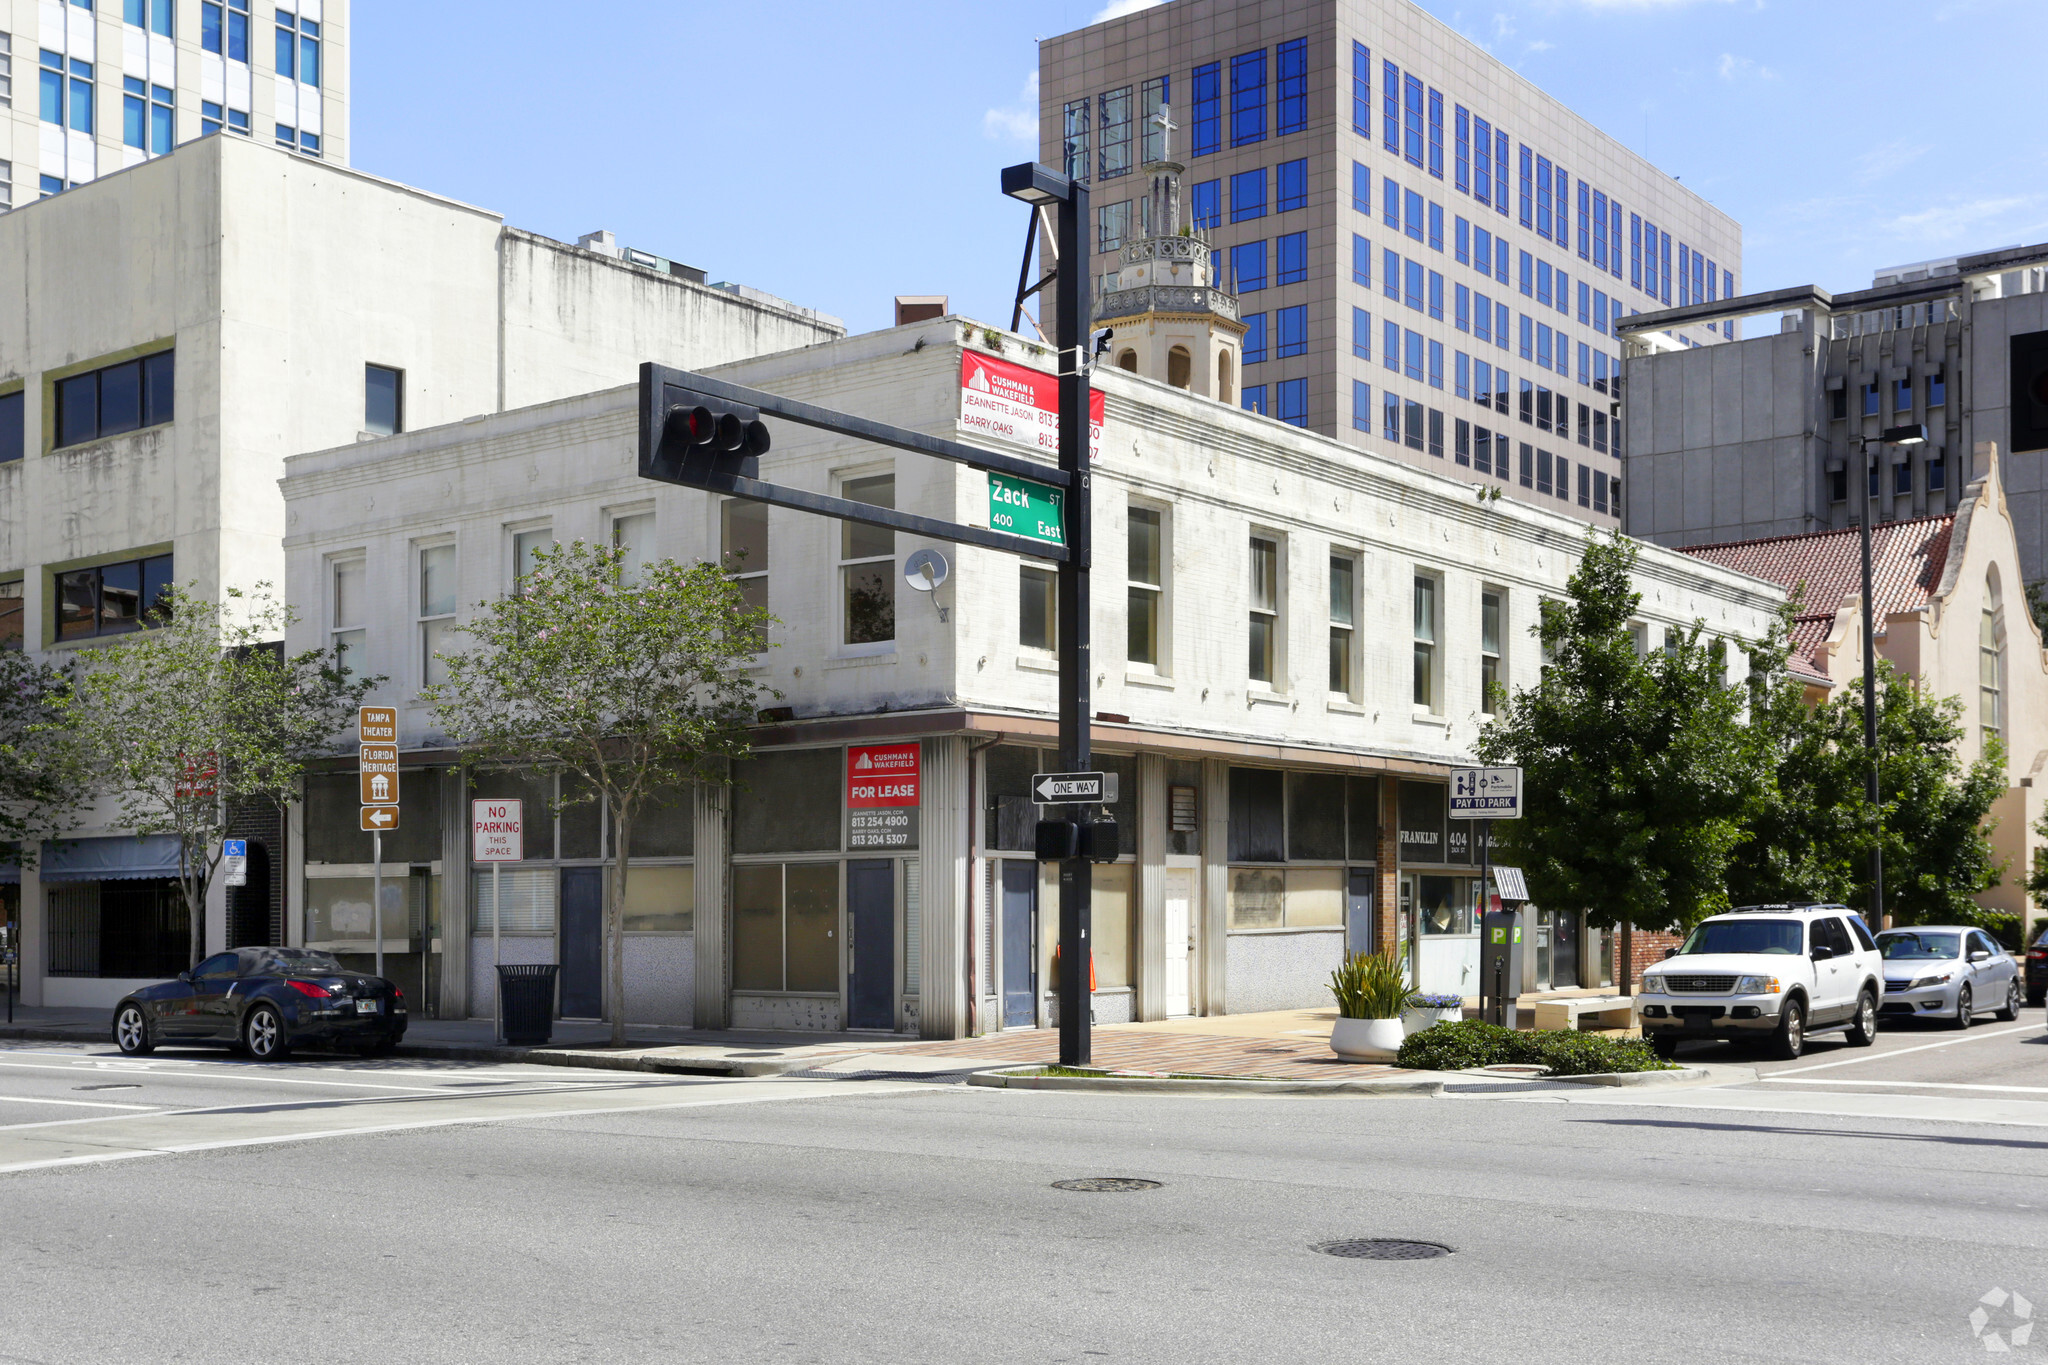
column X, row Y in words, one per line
column 1179, row 1053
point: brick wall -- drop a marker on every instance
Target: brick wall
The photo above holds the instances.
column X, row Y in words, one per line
column 1641, row 948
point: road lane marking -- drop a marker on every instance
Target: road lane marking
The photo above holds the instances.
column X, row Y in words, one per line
column 743, row 1092
column 1917, row 1085
column 246, row 1076
column 80, row 1104
column 1904, row 1051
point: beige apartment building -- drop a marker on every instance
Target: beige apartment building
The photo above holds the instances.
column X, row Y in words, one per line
column 1429, row 254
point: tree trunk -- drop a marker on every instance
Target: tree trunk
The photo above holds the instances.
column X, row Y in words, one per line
column 614, row 925
column 192, row 885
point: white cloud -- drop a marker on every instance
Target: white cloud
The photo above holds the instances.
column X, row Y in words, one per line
column 1117, row 9
column 1734, row 68
column 1646, row 6
column 1970, row 220
column 1879, row 162
column 1017, row 122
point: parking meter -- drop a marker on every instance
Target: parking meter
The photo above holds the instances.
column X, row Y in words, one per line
column 1500, row 965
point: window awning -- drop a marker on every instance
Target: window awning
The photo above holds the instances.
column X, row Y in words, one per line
column 106, row 860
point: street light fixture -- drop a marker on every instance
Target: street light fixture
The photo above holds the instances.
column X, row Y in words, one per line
column 1912, row 435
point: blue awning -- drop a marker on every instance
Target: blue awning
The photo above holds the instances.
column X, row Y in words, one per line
column 106, row 860
column 10, row 872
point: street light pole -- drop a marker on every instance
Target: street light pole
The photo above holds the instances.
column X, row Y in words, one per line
column 1077, row 874
column 1913, row 435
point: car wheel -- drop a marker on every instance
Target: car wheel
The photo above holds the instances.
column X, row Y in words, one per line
column 131, row 1031
column 1791, row 1036
column 1663, row 1046
column 1863, row 1028
column 264, row 1036
column 2011, row 1011
column 1962, row 1019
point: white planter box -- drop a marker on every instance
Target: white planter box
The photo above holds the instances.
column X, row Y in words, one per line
column 1367, row 1040
column 1415, row 1021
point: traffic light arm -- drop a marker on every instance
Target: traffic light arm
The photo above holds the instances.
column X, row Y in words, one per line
column 657, row 380
column 802, row 500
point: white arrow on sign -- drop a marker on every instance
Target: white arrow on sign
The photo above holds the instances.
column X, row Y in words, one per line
column 380, row 817
column 1053, row 789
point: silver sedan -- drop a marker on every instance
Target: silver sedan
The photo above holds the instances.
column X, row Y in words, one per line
column 1948, row 972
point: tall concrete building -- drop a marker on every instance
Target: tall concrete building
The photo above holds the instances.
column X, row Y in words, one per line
column 96, row 85
column 1765, row 437
column 1429, row 253
column 174, row 331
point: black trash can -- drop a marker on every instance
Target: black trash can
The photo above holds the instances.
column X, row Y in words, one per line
column 526, row 1002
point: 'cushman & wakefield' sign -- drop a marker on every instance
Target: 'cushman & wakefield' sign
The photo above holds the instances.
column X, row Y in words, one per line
column 1017, row 404
column 881, row 796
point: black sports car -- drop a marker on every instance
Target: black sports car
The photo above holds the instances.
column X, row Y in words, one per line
column 265, row 1000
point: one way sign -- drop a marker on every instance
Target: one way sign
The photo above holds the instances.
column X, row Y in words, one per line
column 1073, row 789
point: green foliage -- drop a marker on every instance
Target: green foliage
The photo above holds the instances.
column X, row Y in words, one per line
column 1636, row 770
column 1469, row 1043
column 207, row 685
column 1811, row 831
column 1371, row 986
column 629, row 684
column 39, row 770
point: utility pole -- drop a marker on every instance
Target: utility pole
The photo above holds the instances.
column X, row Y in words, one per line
column 1913, row 435
column 1077, row 876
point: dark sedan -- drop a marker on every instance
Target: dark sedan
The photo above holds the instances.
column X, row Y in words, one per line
column 265, row 1001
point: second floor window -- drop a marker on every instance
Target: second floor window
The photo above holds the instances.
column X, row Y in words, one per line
column 224, row 28
column 1343, row 620
column 1425, row 642
column 1265, row 607
column 867, row 566
column 743, row 548
column 1489, row 649
column 12, row 623
column 116, row 398
column 1037, row 609
column 348, row 612
column 1142, row 596
column 437, row 610
column 112, row 599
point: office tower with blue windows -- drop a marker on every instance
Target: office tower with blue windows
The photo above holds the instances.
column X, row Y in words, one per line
column 92, row 86
column 1429, row 253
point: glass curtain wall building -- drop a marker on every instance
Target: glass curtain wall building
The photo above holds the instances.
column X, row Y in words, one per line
column 1430, row 254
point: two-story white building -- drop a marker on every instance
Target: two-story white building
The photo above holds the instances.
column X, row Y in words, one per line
column 1295, row 656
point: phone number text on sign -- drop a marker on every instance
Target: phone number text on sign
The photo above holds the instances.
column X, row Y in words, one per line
column 1015, row 403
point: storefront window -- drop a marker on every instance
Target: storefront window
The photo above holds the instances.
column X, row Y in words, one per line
column 338, row 918
column 132, row 927
column 660, row 900
column 528, row 899
column 785, row 920
column 788, row 802
column 1257, row 898
column 1110, row 925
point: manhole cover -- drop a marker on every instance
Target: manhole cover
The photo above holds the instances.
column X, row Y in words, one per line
column 1105, row 1184
column 1381, row 1249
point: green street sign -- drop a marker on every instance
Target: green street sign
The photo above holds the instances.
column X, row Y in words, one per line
column 1035, row 511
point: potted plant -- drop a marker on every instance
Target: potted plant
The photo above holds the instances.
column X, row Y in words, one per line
column 1425, row 1010
column 1371, row 990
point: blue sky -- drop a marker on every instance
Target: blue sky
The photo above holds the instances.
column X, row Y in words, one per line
column 839, row 154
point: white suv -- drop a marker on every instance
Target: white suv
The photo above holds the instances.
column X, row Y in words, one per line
column 1771, row 973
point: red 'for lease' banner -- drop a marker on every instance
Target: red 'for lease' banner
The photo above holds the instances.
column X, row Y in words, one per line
column 880, row 775
column 1018, row 404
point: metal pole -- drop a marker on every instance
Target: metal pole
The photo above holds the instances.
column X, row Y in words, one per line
column 1870, row 702
column 1076, row 874
column 1485, row 899
column 497, row 957
column 377, row 893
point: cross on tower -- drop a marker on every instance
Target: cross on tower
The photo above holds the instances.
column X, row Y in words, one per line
column 1166, row 127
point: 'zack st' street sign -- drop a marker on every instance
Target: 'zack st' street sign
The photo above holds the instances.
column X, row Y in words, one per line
column 1073, row 789
column 1035, row 511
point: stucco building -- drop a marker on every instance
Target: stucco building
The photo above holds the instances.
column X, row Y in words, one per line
column 178, row 328
column 1293, row 636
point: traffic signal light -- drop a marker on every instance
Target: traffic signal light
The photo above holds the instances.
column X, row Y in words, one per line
column 703, row 440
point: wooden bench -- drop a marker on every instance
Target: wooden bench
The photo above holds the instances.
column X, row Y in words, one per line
column 1608, row 1011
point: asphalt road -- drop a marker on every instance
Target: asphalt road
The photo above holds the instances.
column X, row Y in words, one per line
column 495, row 1213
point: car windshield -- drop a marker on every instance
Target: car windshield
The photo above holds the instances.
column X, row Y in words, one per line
column 292, row 962
column 1897, row 945
column 1779, row 936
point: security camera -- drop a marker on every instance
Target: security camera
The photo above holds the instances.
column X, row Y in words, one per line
column 1101, row 340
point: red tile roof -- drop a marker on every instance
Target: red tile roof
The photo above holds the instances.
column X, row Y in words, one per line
column 1906, row 563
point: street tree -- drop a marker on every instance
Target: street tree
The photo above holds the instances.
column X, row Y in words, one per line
column 630, row 682
column 1637, row 774
column 201, row 713
column 40, row 772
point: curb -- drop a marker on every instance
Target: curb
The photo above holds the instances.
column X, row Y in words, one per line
column 1013, row 1078
column 1685, row 1075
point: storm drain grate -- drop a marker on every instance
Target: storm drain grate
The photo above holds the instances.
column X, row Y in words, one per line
column 1105, row 1184
column 1381, row 1249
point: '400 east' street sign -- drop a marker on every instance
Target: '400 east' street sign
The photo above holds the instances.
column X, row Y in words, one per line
column 1035, row 511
